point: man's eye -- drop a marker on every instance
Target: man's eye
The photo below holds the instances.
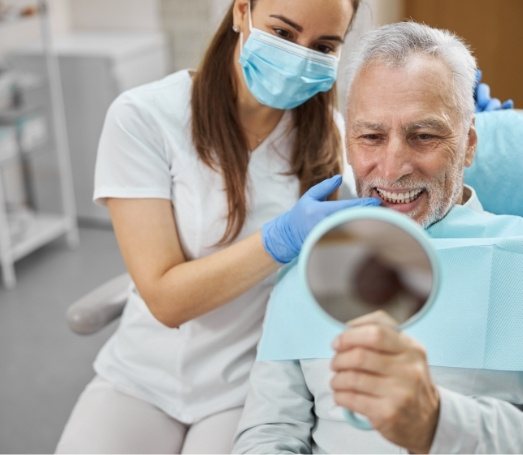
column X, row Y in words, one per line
column 371, row 137
column 425, row 137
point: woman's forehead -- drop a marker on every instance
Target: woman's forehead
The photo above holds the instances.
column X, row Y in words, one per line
column 313, row 16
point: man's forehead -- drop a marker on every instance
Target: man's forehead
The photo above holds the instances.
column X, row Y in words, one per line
column 420, row 77
column 418, row 65
column 414, row 95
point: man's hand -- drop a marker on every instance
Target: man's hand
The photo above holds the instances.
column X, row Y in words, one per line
column 383, row 374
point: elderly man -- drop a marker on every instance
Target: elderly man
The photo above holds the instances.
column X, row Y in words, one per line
column 410, row 135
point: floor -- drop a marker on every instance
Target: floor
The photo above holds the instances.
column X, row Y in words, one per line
column 43, row 365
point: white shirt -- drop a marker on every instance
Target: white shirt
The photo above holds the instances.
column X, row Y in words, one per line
column 146, row 151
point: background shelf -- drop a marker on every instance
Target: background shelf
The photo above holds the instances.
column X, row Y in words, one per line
column 24, row 130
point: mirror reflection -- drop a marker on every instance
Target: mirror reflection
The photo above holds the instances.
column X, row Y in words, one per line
column 365, row 265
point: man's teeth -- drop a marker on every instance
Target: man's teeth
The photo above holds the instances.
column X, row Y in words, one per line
column 399, row 198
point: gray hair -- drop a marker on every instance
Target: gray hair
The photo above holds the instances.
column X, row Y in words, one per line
column 393, row 44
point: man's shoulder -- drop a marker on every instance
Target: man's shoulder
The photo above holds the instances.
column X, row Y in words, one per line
column 464, row 222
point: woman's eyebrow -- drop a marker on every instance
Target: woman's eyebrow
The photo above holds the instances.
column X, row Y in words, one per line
column 332, row 38
column 299, row 28
column 293, row 24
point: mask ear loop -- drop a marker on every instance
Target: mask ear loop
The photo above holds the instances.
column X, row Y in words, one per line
column 250, row 15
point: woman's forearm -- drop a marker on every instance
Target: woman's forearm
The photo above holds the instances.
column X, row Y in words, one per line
column 196, row 287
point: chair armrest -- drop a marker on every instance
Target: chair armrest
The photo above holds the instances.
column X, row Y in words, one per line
column 97, row 309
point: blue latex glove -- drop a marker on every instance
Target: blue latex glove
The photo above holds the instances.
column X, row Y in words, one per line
column 483, row 100
column 284, row 235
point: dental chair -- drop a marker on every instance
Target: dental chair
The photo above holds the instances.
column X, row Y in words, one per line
column 99, row 307
column 497, row 170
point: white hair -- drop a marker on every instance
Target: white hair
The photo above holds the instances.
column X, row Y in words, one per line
column 393, row 44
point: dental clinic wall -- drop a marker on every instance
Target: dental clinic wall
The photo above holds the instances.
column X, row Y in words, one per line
column 16, row 34
column 189, row 24
column 494, row 31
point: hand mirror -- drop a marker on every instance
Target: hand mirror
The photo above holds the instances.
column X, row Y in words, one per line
column 362, row 260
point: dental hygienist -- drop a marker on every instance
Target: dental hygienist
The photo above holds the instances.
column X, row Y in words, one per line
column 201, row 173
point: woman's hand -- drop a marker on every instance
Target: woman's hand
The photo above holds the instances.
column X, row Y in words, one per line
column 484, row 102
column 283, row 236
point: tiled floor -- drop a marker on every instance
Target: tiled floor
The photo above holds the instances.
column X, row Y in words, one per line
column 43, row 365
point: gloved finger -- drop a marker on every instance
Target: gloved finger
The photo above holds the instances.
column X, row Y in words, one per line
column 325, row 188
column 479, row 75
column 493, row 105
column 509, row 104
column 482, row 96
column 330, row 207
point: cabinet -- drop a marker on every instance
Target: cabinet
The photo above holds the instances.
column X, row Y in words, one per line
column 24, row 134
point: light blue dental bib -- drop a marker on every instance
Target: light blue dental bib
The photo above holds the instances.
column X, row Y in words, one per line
column 476, row 320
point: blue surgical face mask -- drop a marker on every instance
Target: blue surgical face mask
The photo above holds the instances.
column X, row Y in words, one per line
column 281, row 74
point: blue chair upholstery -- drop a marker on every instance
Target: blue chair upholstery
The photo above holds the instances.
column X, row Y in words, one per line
column 497, row 171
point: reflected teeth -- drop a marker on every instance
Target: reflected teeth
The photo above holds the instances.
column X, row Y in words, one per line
column 399, row 198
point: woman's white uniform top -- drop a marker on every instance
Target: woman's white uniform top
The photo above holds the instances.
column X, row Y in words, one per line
column 146, row 151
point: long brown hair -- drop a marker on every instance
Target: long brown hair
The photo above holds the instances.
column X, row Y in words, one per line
column 221, row 143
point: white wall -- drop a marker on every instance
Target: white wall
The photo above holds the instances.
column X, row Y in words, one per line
column 115, row 14
column 386, row 11
column 189, row 25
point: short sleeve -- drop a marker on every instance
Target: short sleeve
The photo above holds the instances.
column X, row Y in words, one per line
column 131, row 160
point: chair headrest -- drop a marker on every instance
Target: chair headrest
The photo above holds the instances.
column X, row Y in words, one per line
column 497, row 171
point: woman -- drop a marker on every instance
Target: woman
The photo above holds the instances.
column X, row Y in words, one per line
column 201, row 173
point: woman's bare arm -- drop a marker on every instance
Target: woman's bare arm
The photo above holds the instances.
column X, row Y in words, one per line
column 174, row 289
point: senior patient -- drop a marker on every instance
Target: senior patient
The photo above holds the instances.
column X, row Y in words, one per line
column 410, row 135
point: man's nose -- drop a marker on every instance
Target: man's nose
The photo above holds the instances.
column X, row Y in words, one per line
column 396, row 161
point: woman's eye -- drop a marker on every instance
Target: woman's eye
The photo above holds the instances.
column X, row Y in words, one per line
column 324, row 49
column 282, row 33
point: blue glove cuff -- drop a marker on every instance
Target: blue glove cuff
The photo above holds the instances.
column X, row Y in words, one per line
column 273, row 235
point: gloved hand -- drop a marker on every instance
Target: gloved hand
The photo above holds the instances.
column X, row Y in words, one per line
column 284, row 235
column 483, row 100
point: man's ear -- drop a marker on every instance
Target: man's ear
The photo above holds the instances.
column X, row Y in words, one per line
column 472, row 142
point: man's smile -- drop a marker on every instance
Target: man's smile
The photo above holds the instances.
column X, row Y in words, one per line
column 404, row 200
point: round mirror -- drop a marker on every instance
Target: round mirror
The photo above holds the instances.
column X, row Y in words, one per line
column 364, row 260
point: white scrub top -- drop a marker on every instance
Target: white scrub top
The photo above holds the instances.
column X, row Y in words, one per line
column 146, row 151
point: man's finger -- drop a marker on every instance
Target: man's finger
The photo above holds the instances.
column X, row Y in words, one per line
column 377, row 337
column 359, row 382
column 376, row 317
column 362, row 359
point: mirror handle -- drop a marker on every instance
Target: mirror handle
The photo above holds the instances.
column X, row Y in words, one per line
column 357, row 420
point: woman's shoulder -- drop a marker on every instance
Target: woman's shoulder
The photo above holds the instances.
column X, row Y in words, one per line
column 168, row 96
